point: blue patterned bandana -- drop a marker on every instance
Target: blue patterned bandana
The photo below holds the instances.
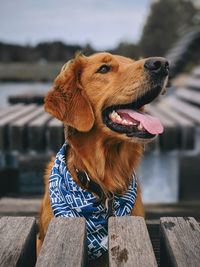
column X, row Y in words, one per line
column 68, row 199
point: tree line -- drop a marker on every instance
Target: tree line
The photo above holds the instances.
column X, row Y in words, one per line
column 45, row 51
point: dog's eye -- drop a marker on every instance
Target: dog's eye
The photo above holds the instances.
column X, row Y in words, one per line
column 104, row 69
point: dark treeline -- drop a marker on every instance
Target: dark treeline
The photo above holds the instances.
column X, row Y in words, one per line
column 49, row 51
column 56, row 51
column 167, row 21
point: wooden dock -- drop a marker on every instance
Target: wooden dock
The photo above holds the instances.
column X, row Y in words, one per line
column 130, row 243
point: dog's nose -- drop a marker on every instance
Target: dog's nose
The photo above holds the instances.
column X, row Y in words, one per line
column 157, row 65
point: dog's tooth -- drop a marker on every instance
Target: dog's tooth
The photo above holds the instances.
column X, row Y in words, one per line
column 140, row 127
column 113, row 115
column 119, row 120
column 125, row 122
column 118, row 117
column 130, row 123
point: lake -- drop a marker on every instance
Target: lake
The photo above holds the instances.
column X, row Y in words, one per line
column 158, row 174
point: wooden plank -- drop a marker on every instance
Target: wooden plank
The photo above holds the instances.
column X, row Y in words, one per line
column 189, row 95
column 189, row 174
column 193, row 83
column 180, row 209
column 188, row 110
column 18, row 130
column 180, row 242
column 186, row 126
column 4, row 122
column 10, row 109
column 17, row 241
column 27, row 98
column 22, row 111
column 169, row 139
column 37, row 132
column 19, row 206
column 129, row 243
column 55, row 134
column 196, row 72
column 31, row 172
column 64, row 244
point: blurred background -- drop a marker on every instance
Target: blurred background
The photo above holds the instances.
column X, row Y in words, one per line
column 38, row 37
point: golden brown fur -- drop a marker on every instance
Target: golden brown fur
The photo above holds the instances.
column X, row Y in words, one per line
column 78, row 97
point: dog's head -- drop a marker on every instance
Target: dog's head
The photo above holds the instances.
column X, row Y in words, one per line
column 107, row 92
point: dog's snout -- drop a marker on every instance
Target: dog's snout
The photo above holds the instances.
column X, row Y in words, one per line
column 157, row 65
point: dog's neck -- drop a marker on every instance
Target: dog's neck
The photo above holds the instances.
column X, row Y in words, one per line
column 108, row 162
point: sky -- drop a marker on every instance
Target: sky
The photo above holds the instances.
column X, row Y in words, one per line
column 102, row 23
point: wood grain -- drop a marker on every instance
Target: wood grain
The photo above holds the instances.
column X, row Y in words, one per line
column 64, row 244
column 180, row 242
column 55, row 135
column 129, row 243
column 6, row 120
column 18, row 129
column 17, row 241
column 36, row 132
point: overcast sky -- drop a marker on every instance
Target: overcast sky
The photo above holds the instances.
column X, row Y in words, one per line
column 103, row 23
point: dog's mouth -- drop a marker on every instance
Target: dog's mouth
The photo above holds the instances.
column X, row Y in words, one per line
column 130, row 120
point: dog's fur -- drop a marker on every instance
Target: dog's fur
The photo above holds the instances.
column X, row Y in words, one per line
column 78, row 97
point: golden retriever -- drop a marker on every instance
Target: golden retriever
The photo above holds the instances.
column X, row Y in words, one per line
column 100, row 99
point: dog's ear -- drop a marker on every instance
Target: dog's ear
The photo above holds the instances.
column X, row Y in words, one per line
column 67, row 101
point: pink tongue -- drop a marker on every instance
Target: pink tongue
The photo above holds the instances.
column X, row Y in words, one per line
column 151, row 124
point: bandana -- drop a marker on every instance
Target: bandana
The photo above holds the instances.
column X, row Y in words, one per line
column 68, row 199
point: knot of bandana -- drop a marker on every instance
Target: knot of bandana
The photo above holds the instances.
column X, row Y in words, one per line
column 68, row 199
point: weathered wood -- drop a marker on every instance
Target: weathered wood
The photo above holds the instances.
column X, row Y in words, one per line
column 196, row 72
column 189, row 173
column 4, row 121
column 169, row 139
column 179, row 54
column 189, row 95
column 193, row 83
column 188, row 110
column 17, row 241
column 129, row 243
column 18, row 130
column 27, row 98
column 36, row 132
column 9, row 109
column 180, row 242
column 180, row 209
column 31, row 172
column 55, row 134
column 64, row 244
column 186, row 126
column 20, row 206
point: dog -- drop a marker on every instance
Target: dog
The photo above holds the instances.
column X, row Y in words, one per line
column 100, row 99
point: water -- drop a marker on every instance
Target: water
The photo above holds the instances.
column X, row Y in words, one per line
column 11, row 88
column 158, row 173
column 158, row 176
